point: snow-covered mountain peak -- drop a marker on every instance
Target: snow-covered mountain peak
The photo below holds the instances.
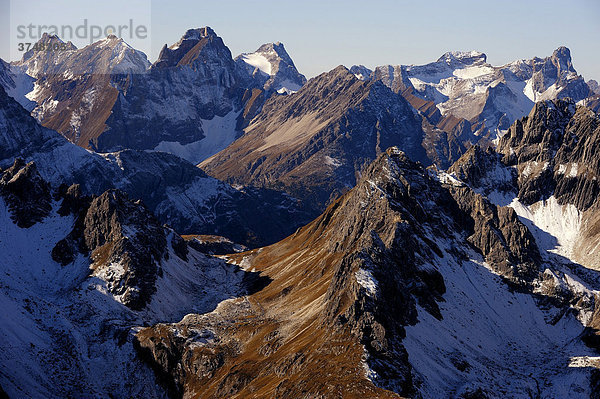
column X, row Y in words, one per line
column 111, row 55
column 48, row 38
column 112, row 41
column 277, row 49
column 36, row 62
column 51, row 38
column 122, row 59
column 111, row 37
column 272, row 67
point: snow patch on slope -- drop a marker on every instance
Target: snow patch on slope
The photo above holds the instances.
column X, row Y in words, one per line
column 446, row 178
column 492, row 337
column 555, row 227
column 259, row 61
column 332, row 161
column 288, row 87
column 366, row 280
column 219, row 132
column 19, row 86
column 473, row 72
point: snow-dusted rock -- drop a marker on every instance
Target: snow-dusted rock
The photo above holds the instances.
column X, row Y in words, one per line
column 66, row 329
column 465, row 85
column 272, row 68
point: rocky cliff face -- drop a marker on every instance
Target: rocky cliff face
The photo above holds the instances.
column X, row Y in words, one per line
column 194, row 81
column 545, row 170
column 552, row 150
column 314, row 143
column 125, row 242
column 17, row 84
column 348, row 290
column 565, row 137
column 484, row 171
column 26, row 193
column 594, row 87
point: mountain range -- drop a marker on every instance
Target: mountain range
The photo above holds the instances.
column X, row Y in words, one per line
column 175, row 190
column 465, row 86
column 210, row 226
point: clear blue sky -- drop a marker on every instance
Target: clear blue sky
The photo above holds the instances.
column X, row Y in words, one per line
column 321, row 34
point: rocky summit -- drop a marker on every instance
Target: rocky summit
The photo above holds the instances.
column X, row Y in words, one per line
column 272, row 67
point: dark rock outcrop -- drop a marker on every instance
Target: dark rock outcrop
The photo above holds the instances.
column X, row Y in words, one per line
column 26, row 193
column 125, row 242
column 508, row 246
column 484, row 171
column 554, row 150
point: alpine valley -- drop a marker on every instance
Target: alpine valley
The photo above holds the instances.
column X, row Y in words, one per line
column 211, row 226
